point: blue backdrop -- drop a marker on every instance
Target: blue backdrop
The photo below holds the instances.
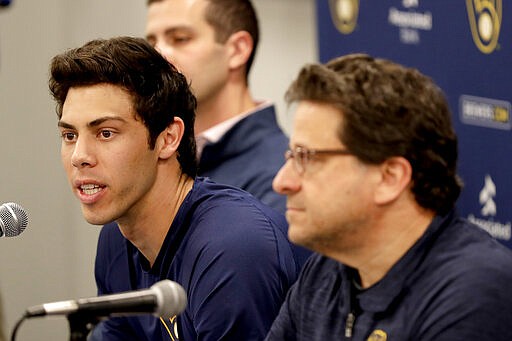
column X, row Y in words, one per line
column 466, row 47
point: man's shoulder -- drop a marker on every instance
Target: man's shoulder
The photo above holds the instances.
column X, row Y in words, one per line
column 229, row 224
column 110, row 234
column 467, row 246
column 213, row 199
column 259, row 125
column 464, row 261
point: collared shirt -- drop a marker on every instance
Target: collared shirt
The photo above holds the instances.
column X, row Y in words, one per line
column 249, row 155
column 215, row 133
column 453, row 284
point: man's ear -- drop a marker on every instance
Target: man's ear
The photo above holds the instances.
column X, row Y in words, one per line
column 240, row 47
column 169, row 140
column 396, row 175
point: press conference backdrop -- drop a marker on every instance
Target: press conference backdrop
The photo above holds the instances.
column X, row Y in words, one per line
column 466, row 47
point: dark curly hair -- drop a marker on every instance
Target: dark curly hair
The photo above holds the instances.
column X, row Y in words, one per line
column 390, row 110
column 158, row 90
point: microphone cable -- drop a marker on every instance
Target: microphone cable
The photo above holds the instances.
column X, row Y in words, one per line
column 17, row 326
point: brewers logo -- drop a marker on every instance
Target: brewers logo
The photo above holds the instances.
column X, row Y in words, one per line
column 344, row 14
column 486, row 198
column 485, row 21
column 378, row 335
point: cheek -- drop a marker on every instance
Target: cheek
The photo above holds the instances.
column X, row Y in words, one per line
column 212, row 60
column 179, row 62
column 137, row 163
column 190, row 60
column 331, row 199
column 65, row 156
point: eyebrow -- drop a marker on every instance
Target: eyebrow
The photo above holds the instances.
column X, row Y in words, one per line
column 93, row 123
column 172, row 30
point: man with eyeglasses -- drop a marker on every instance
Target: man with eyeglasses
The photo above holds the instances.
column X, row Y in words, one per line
column 371, row 186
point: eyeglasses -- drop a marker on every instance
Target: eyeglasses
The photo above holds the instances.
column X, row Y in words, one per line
column 301, row 156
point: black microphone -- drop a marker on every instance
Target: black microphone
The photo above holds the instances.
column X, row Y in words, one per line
column 164, row 299
column 13, row 219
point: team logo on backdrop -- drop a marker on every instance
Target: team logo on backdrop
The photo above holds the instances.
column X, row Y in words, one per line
column 488, row 211
column 485, row 22
column 410, row 21
column 487, row 195
column 344, row 14
column 485, row 112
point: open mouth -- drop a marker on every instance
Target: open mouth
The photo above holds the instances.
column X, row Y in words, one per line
column 90, row 189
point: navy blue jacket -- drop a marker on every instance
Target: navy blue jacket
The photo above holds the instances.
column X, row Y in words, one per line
column 454, row 284
column 249, row 156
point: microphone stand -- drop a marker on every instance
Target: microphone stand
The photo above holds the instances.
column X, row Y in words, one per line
column 80, row 325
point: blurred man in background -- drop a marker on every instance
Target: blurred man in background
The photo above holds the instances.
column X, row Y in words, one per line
column 371, row 186
column 214, row 42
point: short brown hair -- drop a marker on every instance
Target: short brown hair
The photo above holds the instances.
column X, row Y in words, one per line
column 389, row 110
column 231, row 16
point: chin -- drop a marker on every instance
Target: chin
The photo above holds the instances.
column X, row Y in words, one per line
column 297, row 235
column 94, row 219
column 97, row 221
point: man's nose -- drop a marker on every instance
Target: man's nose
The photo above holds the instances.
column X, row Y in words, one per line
column 82, row 154
column 165, row 50
column 287, row 180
